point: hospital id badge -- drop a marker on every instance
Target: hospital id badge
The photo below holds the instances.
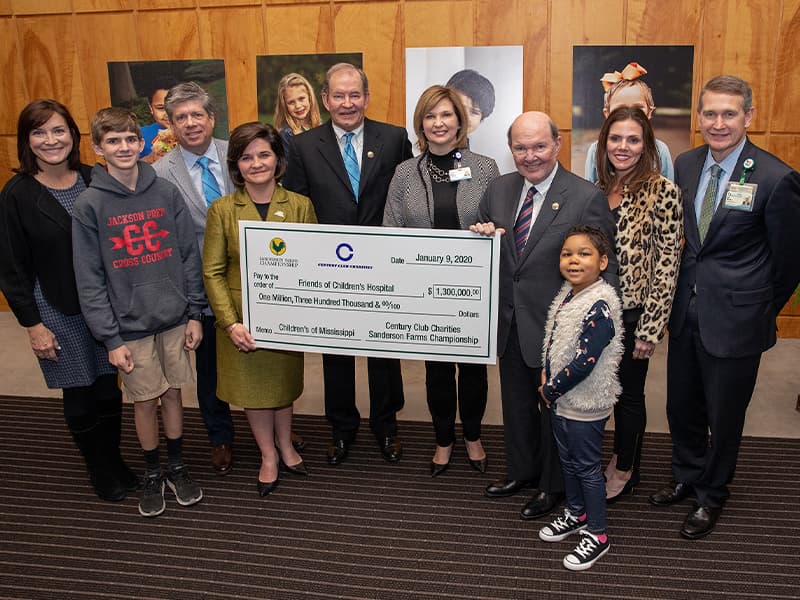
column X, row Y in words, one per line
column 740, row 196
column 460, row 174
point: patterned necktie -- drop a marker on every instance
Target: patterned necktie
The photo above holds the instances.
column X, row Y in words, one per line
column 709, row 199
column 210, row 187
column 523, row 225
column 351, row 162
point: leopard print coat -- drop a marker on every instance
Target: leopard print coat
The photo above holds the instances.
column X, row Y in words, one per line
column 649, row 242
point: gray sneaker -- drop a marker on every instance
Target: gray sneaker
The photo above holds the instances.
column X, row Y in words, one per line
column 151, row 504
column 186, row 489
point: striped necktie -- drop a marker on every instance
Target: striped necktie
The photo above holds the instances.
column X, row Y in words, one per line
column 523, row 225
column 351, row 162
column 210, row 187
column 709, row 200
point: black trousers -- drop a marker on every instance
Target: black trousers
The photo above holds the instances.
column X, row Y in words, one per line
column 531, row 453
column 446, row 391
column 385, row 395
column 630, row 411
column 216, row 413
column 706, row 395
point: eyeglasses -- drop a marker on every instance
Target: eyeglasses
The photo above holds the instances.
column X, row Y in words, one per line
column 521, row 151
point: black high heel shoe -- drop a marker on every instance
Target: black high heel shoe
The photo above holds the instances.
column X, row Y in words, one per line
column 265, row 489
column 479, row 464
column 298, row 469
column 626, row 491
column 439, row 468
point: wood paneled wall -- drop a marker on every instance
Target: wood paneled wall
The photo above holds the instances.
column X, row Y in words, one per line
column 59, row 49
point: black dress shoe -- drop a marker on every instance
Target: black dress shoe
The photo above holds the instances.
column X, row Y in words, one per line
column 506, row 487
column 671, row 494
column 700, row 522
column 298, row 469
column 265, row 489
column 540, row 505
column 391, row 448
column 337, row 452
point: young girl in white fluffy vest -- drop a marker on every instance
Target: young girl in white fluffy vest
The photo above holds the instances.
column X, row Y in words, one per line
column 583, row 347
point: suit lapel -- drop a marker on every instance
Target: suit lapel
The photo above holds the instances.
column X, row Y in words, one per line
column 556, row 194
column 370, row 153
column 183, row 180
column 328, row 147
column 693, row 178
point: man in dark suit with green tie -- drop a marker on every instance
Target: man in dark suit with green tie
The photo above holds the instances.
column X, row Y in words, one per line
column 739, row 267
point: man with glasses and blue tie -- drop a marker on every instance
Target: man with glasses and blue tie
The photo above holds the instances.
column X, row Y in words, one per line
column 345, row 167
column 534, row 208
column 199, row 169
column 739, row 267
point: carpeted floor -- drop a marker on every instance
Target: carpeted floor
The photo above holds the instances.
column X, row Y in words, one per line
column 367, row 529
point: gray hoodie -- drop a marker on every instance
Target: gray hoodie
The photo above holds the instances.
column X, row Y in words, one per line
column 137, row 264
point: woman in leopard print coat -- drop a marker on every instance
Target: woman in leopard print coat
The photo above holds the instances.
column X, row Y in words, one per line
column 649, row 241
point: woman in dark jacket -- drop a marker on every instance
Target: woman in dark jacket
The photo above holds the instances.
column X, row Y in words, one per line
column 37, row 279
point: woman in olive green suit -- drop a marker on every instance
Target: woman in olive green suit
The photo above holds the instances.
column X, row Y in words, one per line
column 263, row 382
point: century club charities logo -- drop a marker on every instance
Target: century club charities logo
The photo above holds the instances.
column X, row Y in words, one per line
column 277, row 246
column 346, row 258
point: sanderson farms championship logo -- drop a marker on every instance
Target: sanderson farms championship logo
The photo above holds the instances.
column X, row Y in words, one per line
column 277, row 246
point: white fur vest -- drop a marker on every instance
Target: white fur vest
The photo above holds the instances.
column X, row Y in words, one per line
column 598, row 392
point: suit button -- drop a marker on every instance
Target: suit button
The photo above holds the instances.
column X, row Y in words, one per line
column 516, row 278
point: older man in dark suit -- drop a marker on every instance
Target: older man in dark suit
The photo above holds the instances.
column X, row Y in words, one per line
column 739, row 267
column 345, row 167
column 535, row 207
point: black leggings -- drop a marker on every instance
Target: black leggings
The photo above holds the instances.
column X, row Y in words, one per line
column 85, row 404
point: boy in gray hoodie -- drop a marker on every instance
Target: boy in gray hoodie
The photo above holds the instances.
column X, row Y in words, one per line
column 140, row 284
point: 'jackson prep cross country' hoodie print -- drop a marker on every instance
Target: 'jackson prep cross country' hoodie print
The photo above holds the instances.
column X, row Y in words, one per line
column 137, row 264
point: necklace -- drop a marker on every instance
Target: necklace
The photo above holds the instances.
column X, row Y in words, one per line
column 437, row 174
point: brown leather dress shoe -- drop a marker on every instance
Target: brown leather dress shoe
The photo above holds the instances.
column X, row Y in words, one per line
column 671, row 494
column 700, row 521
column 222, row 458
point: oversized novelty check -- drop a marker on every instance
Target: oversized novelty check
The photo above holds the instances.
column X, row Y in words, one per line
column 371, row 291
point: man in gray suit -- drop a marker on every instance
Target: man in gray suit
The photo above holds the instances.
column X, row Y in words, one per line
column 534, row 208
column 739, row 267
column 199, row 169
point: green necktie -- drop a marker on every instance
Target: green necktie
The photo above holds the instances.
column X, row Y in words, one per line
column 709, row 199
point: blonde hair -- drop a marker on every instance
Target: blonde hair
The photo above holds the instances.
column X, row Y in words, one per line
column 282, row 115
column 430, row 98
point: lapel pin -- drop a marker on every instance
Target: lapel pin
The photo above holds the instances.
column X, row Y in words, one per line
column 555, row 206
column 279, row 214
column 749, row 163
column 370, row 154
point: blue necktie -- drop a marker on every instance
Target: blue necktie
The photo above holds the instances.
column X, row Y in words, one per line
column 351, row 162
column 523, row 225
column 210, row 187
